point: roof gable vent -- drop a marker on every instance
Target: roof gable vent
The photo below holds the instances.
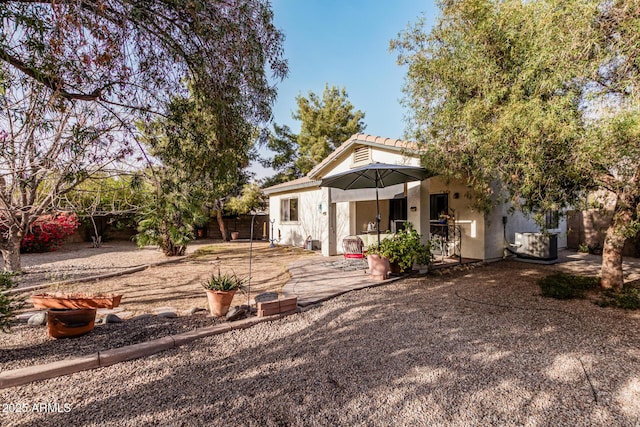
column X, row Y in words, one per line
column 361, row 154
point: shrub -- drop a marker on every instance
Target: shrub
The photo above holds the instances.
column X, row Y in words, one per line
column 8, row 303
column 567, row 286
column 627, row 298
column 48, row 231
column 403, row 248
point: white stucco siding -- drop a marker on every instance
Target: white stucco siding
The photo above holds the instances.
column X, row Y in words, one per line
column 499, row 234
column 311, row 220
column 471, row 222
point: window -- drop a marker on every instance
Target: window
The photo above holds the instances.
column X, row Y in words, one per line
column 551, row 219
column 289, row 210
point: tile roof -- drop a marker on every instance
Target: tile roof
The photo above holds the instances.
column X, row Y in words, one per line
column 363, row 138
column 358, row 138
column 303, row 182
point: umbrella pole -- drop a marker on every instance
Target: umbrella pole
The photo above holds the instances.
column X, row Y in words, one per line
column 377, row 212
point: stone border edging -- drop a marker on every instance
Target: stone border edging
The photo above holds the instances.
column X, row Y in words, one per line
column 16, row 377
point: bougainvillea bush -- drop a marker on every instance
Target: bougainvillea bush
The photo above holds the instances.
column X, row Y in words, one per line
column 48, row 231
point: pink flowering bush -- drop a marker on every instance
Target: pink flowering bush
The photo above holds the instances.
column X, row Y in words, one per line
column 48, row 231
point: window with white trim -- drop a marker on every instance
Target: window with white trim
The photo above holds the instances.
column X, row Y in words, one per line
column 289, row 209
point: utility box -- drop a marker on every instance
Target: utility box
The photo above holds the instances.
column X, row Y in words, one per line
column 537, row 245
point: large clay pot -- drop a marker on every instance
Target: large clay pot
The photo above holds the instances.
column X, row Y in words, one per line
column 76, row 300
column 70, row 322
column 235, row 235
column 378, row 267
column 219, row 301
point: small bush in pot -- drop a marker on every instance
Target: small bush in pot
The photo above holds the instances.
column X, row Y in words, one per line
column 403, row 248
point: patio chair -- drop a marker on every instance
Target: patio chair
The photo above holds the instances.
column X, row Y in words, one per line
column 354, row 253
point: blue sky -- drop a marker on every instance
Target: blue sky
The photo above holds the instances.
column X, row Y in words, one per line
column 346, row 43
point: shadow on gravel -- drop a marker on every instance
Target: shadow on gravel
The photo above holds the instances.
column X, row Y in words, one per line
column 470, row 349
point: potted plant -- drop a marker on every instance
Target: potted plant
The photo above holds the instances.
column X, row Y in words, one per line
column 403, row 249
column 220, row 290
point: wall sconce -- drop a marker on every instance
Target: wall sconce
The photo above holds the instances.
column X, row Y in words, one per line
column 413, row 208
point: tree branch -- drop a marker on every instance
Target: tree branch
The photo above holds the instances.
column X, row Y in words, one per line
column 52, row 82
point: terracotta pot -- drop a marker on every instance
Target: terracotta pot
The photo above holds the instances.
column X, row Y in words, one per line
column 70, row 322
column 76, row 300
column 378, row 267
column 396, row 269
column 235, row 235
column 219, row 301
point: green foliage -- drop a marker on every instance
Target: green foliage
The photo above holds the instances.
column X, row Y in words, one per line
column 403, row 248
column 223, row 282
column 8, row 303
column 326, row 122
column 198, row 168
column 492, row 98
column 284, row 144
column 530, row 102
column 567, row 286
column 627, row 298
column 252, row 198
column 583, row 248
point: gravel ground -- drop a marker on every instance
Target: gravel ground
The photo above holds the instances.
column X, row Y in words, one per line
column 474, row 348
column 171, row 287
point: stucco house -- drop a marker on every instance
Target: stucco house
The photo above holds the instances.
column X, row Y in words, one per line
column 301, row 210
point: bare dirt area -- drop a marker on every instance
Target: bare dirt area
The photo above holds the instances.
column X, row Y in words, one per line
column 174, row 286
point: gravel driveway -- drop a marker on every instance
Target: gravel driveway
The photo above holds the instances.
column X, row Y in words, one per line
column 474, row 348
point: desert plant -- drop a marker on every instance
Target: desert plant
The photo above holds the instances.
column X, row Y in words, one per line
column 224, row 282
column 567, row 286
column 583, row 248
column 403, row 248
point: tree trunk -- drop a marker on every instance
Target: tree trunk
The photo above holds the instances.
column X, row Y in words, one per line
column 11, row 253
column 223, row 228
column 611, row 272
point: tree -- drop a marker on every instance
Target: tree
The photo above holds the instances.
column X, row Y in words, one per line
column 48, row 146
column 533, row 103
column 251, row 198
column 325, row 124
column 94, row 69
column 284, row 143
column 196, row 169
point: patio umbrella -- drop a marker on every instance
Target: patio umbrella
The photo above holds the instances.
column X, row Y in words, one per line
column 375, row 175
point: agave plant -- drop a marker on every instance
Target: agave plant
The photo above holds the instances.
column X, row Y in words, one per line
column 224, row 282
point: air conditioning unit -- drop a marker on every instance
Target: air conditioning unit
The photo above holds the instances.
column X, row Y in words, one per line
column 537, row 245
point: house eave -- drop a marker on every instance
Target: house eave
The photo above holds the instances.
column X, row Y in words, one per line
column 292, row 187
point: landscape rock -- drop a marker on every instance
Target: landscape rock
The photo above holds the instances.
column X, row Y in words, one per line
column 236, row 313
column 38, row 319
column 24, row 317
column 112, row 318
column 167, row 314
column 195, row 310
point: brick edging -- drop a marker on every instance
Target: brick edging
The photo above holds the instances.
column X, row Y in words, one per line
column 16, row 377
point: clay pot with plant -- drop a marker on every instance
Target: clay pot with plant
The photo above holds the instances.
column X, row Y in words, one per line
column 402, row 250
column 221, row 289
